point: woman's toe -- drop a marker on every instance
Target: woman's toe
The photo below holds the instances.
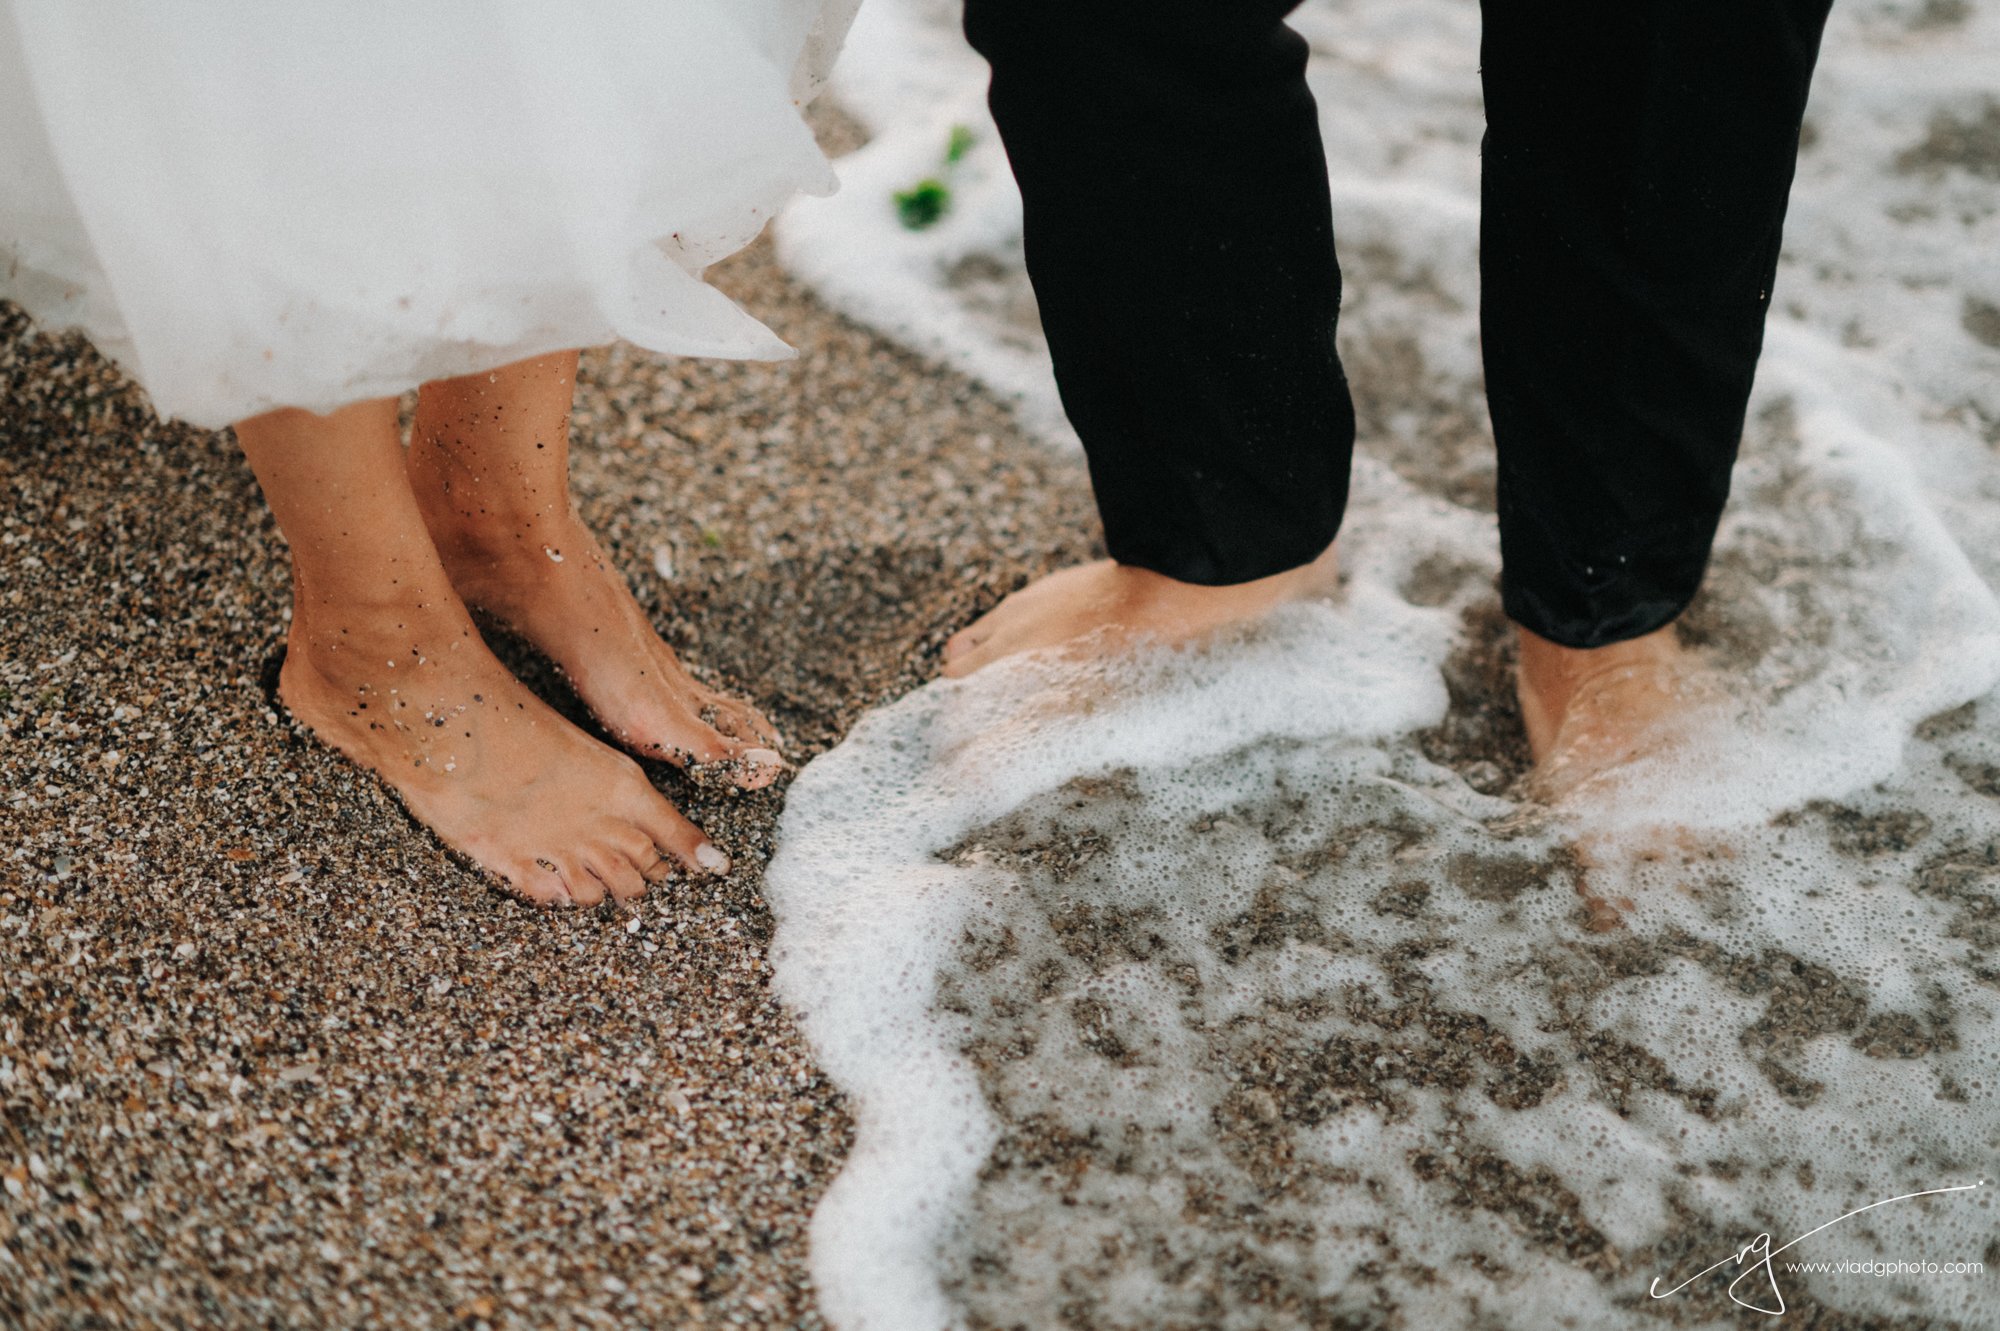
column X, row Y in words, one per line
column 739, row 720
column 585, row 887
column 540, row 886
column 747, row 762
column 684, row 741
column 619, row 876
column 758, row 768
column 677, row 837
column 647, row 860
column 965, row 645
column 656, row 865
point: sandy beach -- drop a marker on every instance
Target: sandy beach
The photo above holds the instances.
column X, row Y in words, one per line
column 1259, row 991
column 268, row 1055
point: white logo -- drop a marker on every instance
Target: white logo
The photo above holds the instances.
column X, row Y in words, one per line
column 1764, row 1252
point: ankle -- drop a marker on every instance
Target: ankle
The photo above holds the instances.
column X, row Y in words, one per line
column 1550, row 678
column 1149, row 587
column 356, row 642
column 469, row 531
column 1548, row 663
column 472, row 505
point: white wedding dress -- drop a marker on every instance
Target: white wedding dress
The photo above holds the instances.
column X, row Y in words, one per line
column 255, row 204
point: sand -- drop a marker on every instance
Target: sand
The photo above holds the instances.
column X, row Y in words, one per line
column 268, row 1054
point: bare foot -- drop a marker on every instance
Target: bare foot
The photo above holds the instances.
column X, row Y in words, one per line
column 547, row 578
column 415, row 696
column 1110, row 603
column 488, row 463
column 1589, row 710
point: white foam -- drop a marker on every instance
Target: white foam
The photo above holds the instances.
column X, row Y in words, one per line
column 1067, row 1015
column 861, row 830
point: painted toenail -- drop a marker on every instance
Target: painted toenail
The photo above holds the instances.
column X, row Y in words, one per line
column 711, row 859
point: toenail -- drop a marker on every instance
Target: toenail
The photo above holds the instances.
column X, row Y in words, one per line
column 711, row 859
column 763, row 758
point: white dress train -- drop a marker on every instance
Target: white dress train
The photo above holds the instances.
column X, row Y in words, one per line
column 252, row 205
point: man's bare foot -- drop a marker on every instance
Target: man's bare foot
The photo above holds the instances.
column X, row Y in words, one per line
column 1589, row 710
column 413, row 694
column 1110, row 603
column 546, row 577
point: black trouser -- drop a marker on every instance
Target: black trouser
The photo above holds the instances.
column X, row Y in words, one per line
column 1637, row 161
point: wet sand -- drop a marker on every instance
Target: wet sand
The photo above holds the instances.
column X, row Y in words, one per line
column 268, row 1054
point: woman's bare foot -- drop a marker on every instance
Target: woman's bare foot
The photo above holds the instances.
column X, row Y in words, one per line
column 415, row 696
column 1110, row 603
column 489, row 464
column 383, row 663
column 554, row 585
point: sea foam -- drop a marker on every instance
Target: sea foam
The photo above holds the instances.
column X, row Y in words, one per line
column 1239, row 987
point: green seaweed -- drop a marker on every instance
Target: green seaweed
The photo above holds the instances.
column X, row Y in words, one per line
column 958, row 145
column 922, row 204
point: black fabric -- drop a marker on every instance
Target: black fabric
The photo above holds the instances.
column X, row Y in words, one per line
column 1179, row 237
